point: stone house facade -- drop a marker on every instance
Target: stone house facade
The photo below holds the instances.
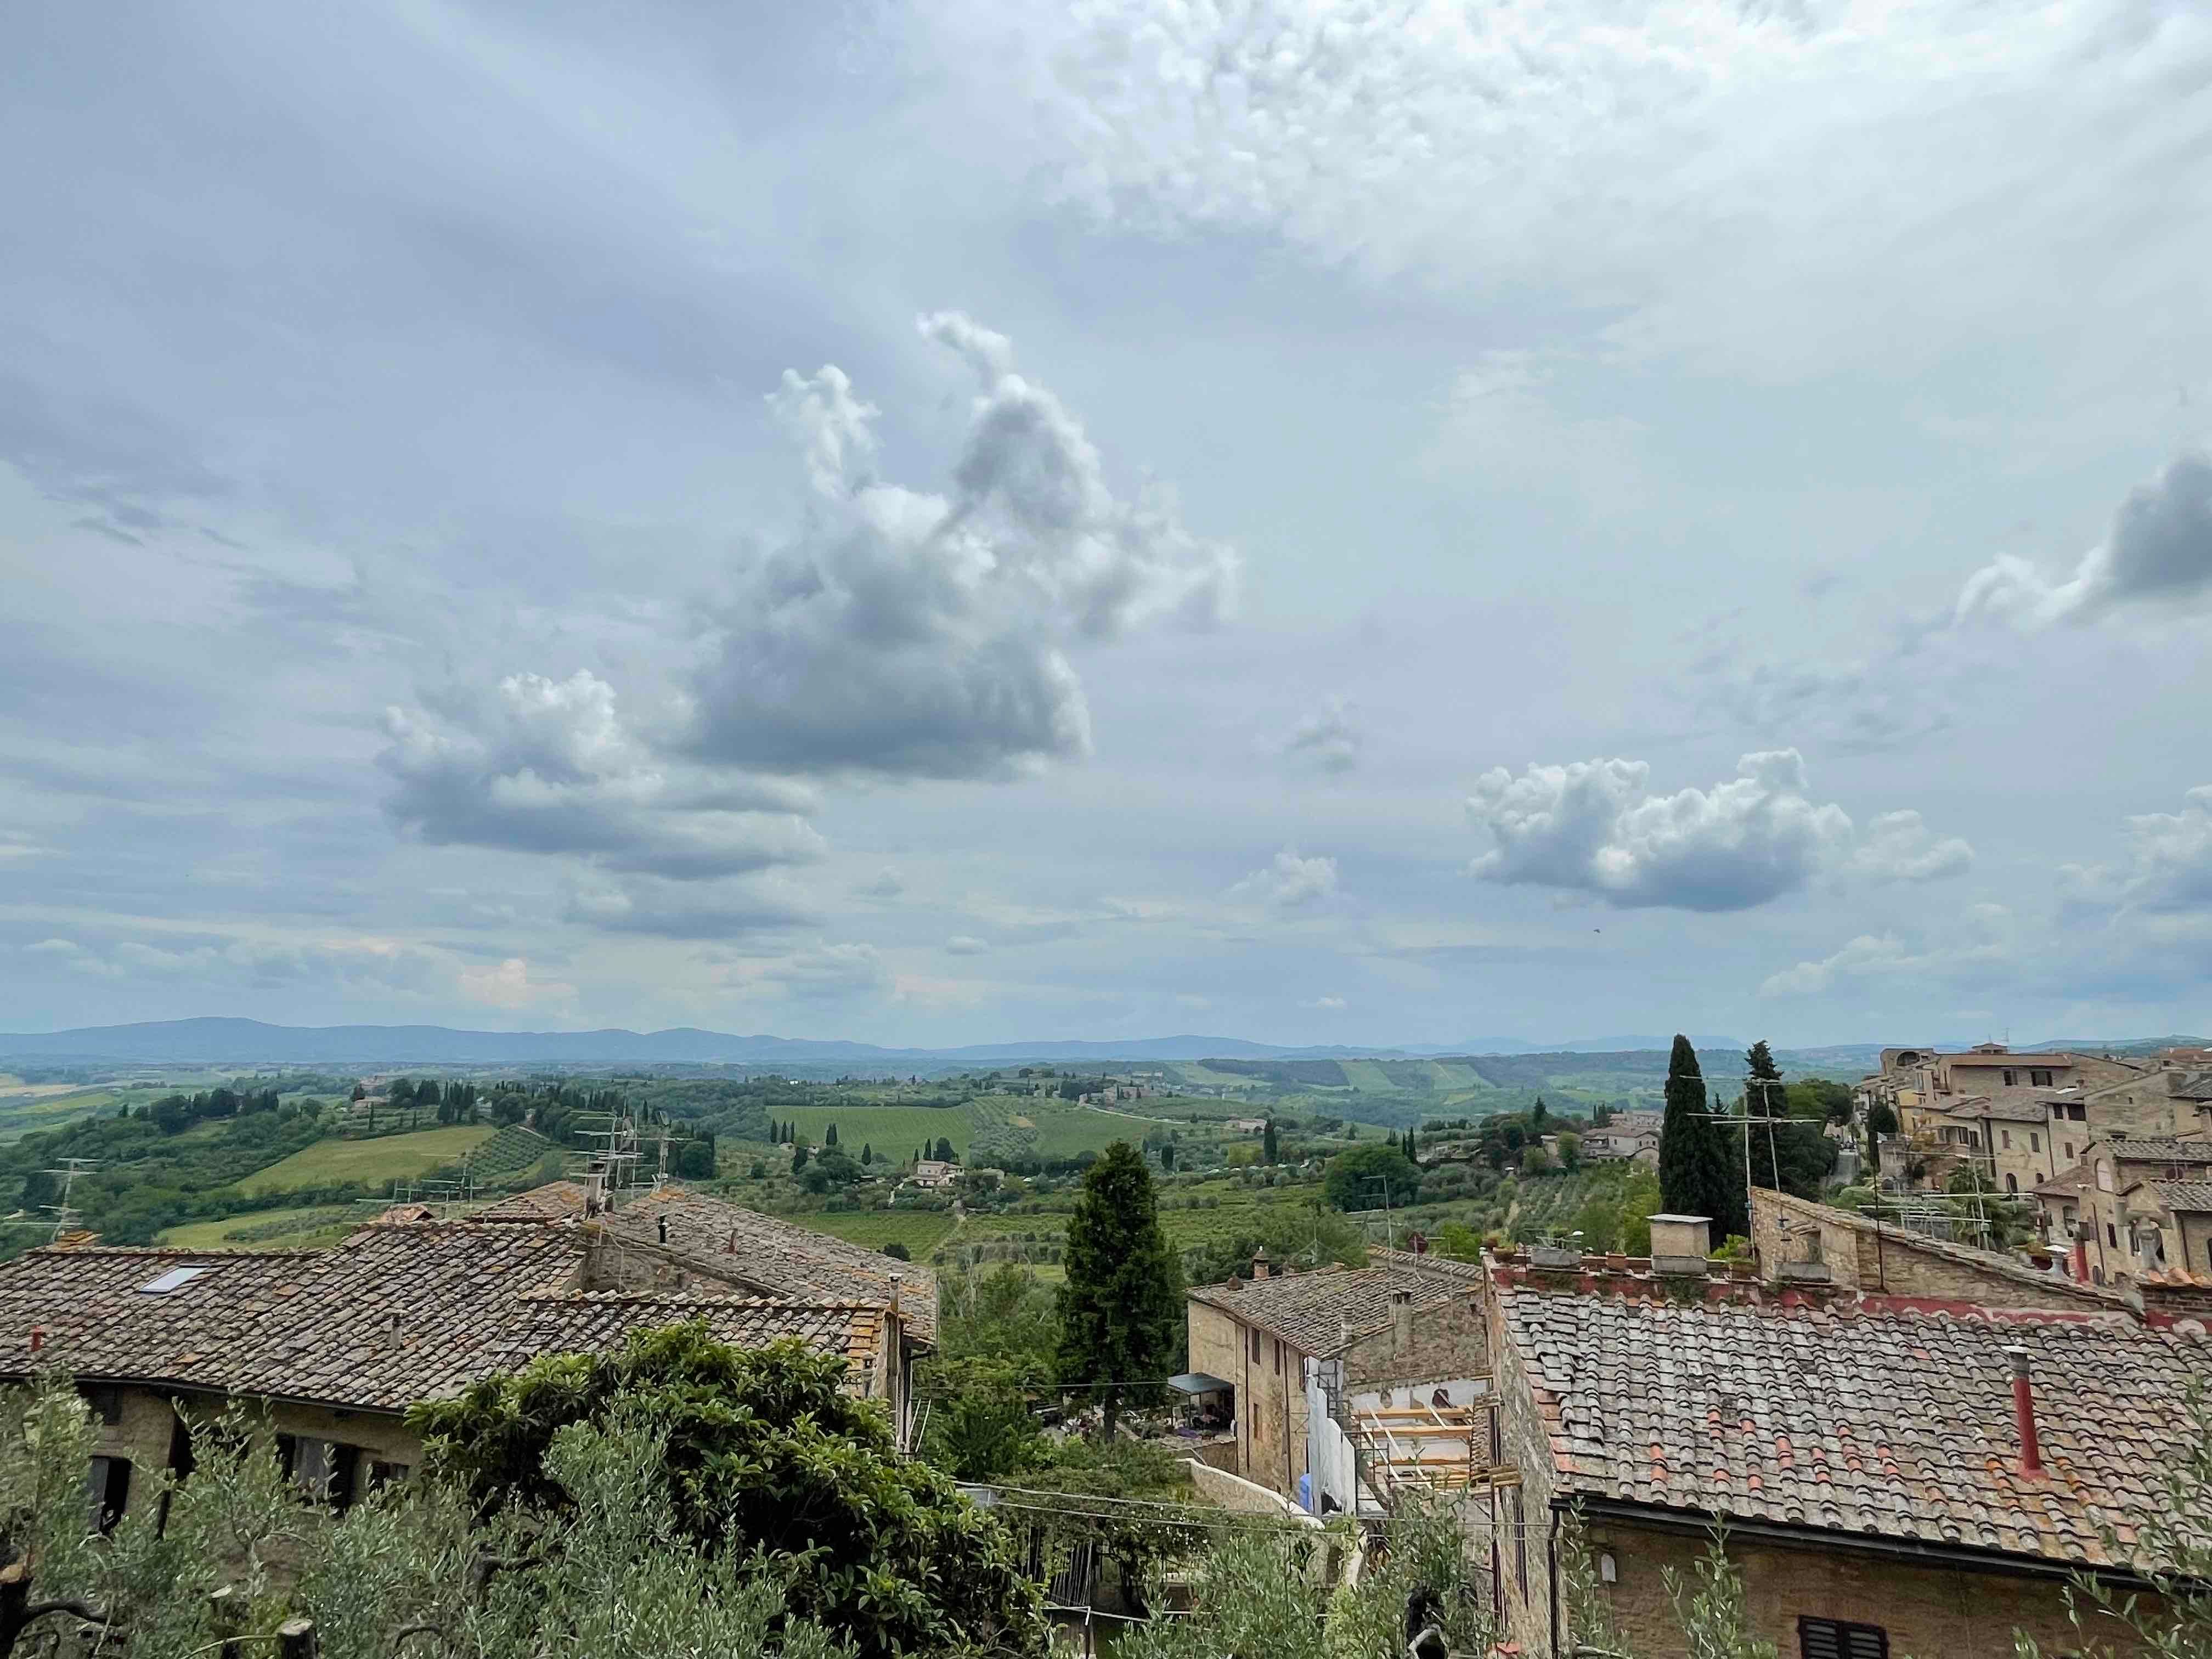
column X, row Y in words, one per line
column 333, row 1346
column 1865, row 1450
column 2133, row 1207
column 1403, row 1319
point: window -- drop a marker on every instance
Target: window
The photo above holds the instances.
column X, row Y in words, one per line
column 2070, row 1151
column 323, row 1469
column 2040, row 1077
column 2034, row 1141
column 1278, row 1359
column 1520, row 1546
column 2011, row 1077
column 2011, row 1184
column 1832, row 1639
column 2006, row 1133
column 107, row 1404
column 388, row 1475
column 2078, row 1114
column 1256, row 1347
column 106, row 1490
column 2111, row 1238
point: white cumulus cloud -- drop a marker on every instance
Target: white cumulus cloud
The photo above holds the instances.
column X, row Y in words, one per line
column 1289, row 882
column 1595, row 827
column 1328, row 739
column 920, row 634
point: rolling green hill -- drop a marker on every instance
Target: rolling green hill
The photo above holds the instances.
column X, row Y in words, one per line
column 386, row 1157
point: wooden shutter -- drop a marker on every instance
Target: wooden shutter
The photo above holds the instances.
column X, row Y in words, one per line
column 1832, row 1638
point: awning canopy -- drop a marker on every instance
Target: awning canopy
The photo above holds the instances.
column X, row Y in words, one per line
column 1198, row 1383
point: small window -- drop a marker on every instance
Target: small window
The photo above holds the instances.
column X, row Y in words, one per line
column 106, row 1490
column 2034, row 1140
column 2111, row 1238
column 2078, row 1114
column 381, row 1474
column 2011, row 1077
column 2041, row 1080
column 176, row 1278
column 1278, row 1359
column 107, row 1404
column 1832, row 1639
column 323, row 1469
column 1256, row 1347
column 2006, row 1133
column 2070, row 1151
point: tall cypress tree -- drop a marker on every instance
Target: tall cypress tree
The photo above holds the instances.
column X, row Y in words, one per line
column 1696, row 1174
column 1121, row 1307
column 1270, row 1147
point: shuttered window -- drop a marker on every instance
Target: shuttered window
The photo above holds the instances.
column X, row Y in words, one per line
column 1832, row 1639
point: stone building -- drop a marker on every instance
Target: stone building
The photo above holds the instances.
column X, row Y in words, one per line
column 2133, row 1207
column 1913, row 1472
column 1403, row 1320
column 333, row 1345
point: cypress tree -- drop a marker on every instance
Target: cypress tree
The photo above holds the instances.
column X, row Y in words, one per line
column 830, row 1139
column 1121, row 1307
column 1697, row 1177
column 1270, row 1147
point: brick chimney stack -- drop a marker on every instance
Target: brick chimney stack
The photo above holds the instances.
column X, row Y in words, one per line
column 1402, row 1319
column 1258, row 1264
column 2023, row 1409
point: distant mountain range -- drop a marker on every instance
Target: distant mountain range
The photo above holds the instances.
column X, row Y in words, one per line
column 250, row 1042
column 220, row 1042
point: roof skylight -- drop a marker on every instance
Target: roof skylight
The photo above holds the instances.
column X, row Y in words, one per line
column 176, row 1278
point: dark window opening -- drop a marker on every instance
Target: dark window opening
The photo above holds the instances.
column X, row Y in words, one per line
column 1256, row 1347
column 106, row 1490
column 1519, row 1547
column 2111, row 1238
column 1279, row 1359
column 2040, row 1079
column 326, row 1470
column 107, row 1404
column 1833, row 1638
column 2011, row 1077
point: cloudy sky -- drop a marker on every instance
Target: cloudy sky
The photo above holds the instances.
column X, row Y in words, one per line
column 1334, row 522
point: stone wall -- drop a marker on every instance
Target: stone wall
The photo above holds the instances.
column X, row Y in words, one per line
column 1888, row 1263
column 1926, row 1609
column 1448, row 1343
column 144, row 1431
column 1270, row 1404
column 1519, row 1548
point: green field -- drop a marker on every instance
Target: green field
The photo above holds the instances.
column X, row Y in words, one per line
column 920, row 1230
column 32, row 1106
column 387, row 1157
column 316, row 1227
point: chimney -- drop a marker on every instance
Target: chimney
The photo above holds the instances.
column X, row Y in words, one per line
column 392, row 1330
column 1679, row 1243
column 38, row 1337
column 2023, row 1410
column 1402, row 1319
column 664, row 1230
column 1258, row 1264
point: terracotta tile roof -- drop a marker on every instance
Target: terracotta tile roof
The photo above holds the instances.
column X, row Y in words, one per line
column 2069, row 1183
column 2192, row 1196
column 396, row 1314
column 2193, row 1085
column 551, row 1202
column 1309, row 1310
column 2162, row 1152
column 1895, row 1423
column 775, row 1256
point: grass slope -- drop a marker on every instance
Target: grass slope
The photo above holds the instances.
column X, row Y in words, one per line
column 309, row 1229
column 386, row 1157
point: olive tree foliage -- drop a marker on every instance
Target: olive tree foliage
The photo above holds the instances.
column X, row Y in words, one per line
column 1709, row 1604
column 2173, row 1620
column 595, row 1560
column 1260, row 1591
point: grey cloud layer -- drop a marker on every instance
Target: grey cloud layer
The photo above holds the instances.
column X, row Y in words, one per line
column 920, row 634
column 1594, row 826
column 544, row 766
column 2159, row 551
